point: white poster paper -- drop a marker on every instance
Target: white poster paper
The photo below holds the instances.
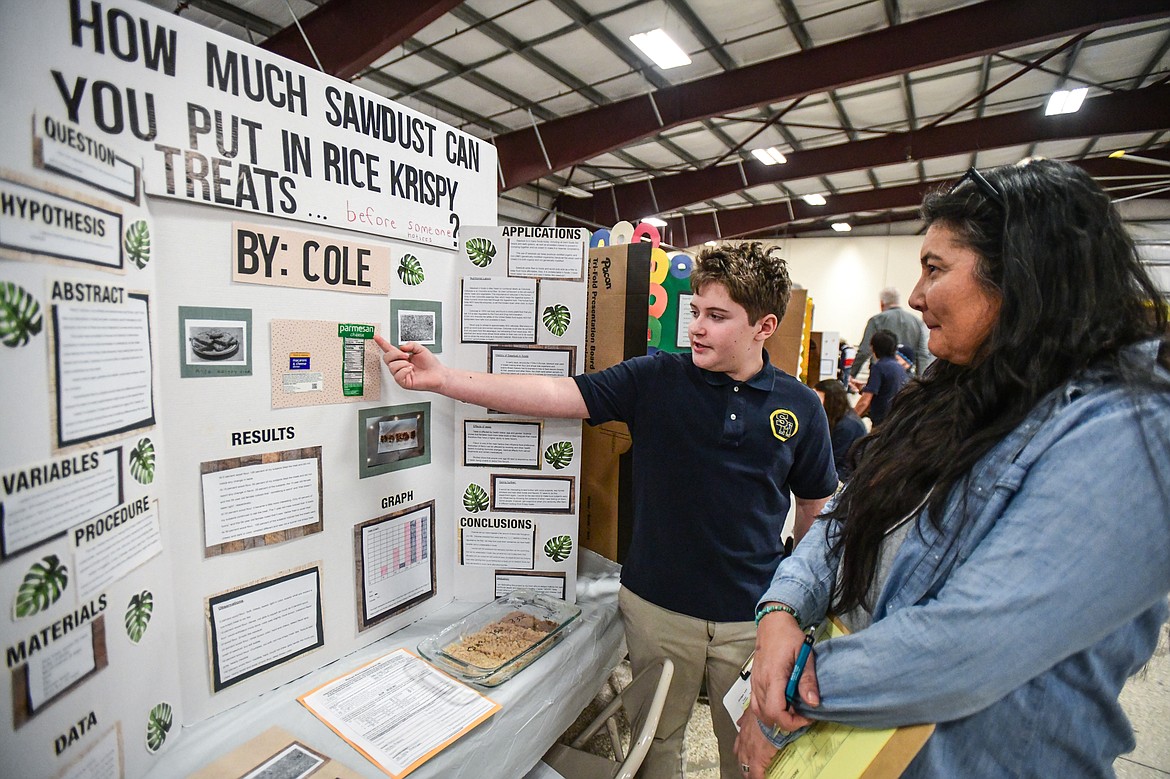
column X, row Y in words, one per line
column 59, row 665
column 682, row 338
column 532, row 493
column 66, row 149
column 533, row 253
column 397, row 561
column 552, row 584
column 102, row 761
column 256, row 499
column 50, row 225
column 232, row 126
column 257, row 627
column 556, row 361
column 498, row 310
column 398, row 710
column 496, row 548
column 111, row 545
column 501, row 444
column 103, row 367
column 43, row 501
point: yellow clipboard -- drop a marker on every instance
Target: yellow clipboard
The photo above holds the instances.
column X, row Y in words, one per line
column 830, row 750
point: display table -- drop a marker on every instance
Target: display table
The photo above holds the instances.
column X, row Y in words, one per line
column 538, row 704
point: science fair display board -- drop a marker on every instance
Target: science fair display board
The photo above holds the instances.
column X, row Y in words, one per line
column 210, row 485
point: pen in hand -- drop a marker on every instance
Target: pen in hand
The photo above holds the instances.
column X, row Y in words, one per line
column 790, row 692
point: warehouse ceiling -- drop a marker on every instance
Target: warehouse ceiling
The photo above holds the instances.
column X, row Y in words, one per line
column 871, row 102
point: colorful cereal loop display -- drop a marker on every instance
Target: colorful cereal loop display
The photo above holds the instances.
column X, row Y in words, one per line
column 681, row 265
column 622, row 232
column 645, row 229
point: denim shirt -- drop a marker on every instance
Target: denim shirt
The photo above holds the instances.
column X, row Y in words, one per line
column 1016, row 631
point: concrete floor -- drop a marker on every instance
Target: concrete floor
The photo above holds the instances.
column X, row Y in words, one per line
column 1146, row 700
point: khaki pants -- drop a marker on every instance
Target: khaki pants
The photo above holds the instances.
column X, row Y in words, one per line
column 696, row 647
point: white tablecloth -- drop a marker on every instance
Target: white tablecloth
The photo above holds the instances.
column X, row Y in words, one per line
column 538, row 704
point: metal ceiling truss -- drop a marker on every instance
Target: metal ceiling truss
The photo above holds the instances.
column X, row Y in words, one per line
column 972, row 31
column 786, row 217
column 1141, row 110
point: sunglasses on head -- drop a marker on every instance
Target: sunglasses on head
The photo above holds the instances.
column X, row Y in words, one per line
column 986, row 187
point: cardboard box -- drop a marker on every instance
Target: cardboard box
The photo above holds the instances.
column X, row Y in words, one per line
column 823, row 355
column 617, row 305
column 786, row 345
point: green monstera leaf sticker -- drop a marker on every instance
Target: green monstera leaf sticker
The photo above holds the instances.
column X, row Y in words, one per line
column 559, row 548
column 137, row 243
column 475, row 498
column 20, row 315
column 158, row 724
column 559, row 455
column 42, row 586
column 481, row 251
column 138, row 615
column 556, row 319
column 142, row 461
column 410, row 270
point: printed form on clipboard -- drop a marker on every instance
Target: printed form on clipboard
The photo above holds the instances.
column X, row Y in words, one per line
column 829, row 750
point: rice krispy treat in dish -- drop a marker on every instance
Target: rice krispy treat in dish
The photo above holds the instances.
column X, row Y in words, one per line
column 498, row 642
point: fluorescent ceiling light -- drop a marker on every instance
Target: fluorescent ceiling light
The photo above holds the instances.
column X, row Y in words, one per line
column 653, row 220
column 770, row 156
column 575, row 191
column 841, row 227
column 659, row 47
column 1066, row 101
column 814, row 200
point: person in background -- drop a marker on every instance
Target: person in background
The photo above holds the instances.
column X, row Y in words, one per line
column 845, row 426
column 722, row 440
column 907, row 329
column 886, row 379
column 1001, row 550
column 905, row 357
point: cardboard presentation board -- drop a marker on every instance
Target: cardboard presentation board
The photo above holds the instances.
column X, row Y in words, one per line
column 618, row 296
column 786, row 346
column 211, row 486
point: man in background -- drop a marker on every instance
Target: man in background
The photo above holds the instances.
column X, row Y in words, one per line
column 907, row 328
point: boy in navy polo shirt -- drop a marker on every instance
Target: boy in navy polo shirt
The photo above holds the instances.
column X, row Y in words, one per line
column 721, row 441
column 886, row 378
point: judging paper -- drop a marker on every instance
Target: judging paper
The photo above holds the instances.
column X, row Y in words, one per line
column 398, row 711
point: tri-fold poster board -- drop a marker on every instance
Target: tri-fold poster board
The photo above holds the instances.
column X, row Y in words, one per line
column 211, row 485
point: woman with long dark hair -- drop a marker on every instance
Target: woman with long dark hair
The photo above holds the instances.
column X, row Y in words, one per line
column 1002, row 551
column 845, row 427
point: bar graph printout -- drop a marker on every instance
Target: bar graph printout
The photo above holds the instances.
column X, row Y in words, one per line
column 396, row 563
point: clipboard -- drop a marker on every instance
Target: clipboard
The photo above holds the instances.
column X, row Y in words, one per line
column 830, row 750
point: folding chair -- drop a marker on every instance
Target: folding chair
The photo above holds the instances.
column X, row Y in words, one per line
column 643, row 700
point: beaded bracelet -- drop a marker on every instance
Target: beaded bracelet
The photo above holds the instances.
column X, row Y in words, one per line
column 777, row 607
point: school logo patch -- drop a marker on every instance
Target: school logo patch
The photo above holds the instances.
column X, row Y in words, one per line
column 784, row 424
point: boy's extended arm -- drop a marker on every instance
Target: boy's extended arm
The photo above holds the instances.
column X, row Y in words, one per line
column 414, row 367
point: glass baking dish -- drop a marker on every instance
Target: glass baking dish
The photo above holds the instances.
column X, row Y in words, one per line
column 493, row 643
